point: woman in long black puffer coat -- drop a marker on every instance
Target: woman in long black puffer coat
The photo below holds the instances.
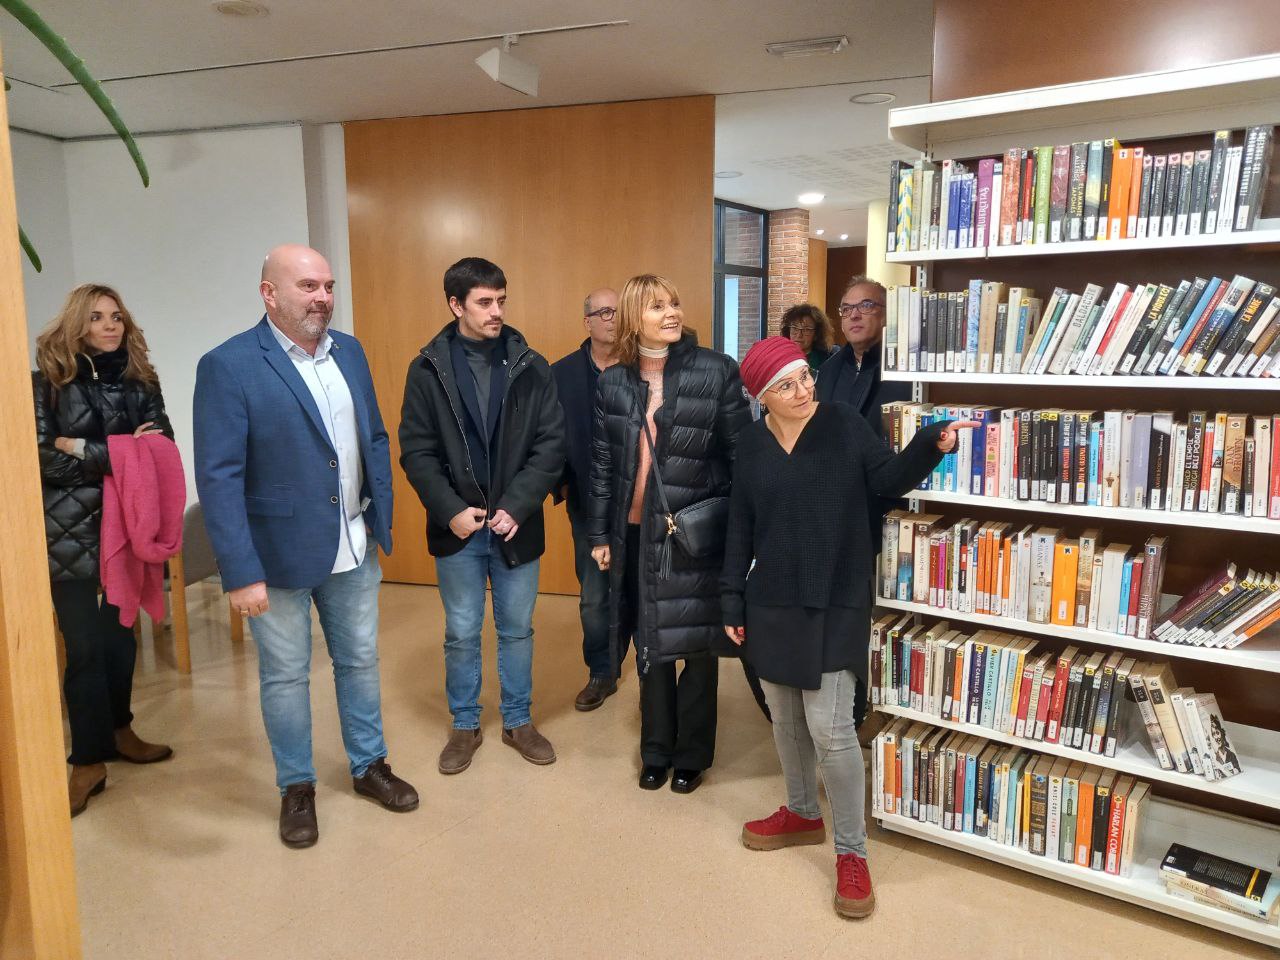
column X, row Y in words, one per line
column 94, row 380
column 693, row 402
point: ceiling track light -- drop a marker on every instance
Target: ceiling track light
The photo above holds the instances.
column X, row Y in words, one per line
column 794, row 49
column 509, row 70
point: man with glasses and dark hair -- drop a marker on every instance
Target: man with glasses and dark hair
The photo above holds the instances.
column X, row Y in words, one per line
column 852, row 375
column 576, row 377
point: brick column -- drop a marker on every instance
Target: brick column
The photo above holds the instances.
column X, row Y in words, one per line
column 788, row 262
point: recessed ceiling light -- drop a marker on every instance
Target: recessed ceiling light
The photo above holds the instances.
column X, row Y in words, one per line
column 793, row 49
column 819, row 232
column 809, row 199
column 871, row 99
column 727, row 174
column 844, row 236
column 241, row 8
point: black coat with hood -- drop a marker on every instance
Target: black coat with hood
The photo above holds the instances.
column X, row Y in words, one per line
column 98, row 403
column 526, row 449
column 703, row 409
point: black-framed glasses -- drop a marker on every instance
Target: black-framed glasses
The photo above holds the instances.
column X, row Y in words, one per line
column 604, row 313
column 862, row 306
column 787, row 388
column 807, row 328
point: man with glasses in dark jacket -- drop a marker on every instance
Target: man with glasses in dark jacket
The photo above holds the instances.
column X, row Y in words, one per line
column 576, row 377
column 482, row 444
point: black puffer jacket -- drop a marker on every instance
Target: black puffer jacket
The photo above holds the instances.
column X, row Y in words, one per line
column 703, row 408
column 99, row 402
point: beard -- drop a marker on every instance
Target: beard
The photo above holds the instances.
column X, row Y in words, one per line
column 311, row 324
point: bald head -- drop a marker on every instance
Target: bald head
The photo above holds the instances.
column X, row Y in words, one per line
column 297, row 288
column 601, row 330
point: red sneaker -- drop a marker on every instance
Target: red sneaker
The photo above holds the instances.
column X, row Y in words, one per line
column 782, row 829
column 854, row 896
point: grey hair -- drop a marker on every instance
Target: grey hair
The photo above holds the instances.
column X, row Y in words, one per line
column 586, row 305
column 863, row 278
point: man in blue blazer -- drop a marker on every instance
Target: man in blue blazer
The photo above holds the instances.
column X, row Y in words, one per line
column 294, row 473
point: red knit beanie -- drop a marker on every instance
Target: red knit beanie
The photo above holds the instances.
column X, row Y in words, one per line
column 768, row 361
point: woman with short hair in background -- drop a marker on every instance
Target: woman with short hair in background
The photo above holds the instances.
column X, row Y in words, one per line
column 802, row 612
column 690, row 399
column 809, row 329
column 93, row 380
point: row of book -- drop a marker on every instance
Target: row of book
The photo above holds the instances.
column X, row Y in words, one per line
column 1087, row 190
column 1203, row 327
column 1206, row 462
column 1032, row 573
column 1048, row 806
column 1206, row 878
column 1074, row 699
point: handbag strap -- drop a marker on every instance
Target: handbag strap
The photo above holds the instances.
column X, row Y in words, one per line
column 653, row 462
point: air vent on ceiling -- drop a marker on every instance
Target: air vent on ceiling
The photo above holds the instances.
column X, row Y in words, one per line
column 793, row 49
column 240, row 8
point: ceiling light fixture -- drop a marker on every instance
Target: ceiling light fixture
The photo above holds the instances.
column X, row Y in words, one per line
column 240, row 8
column 872, row 99
column 794, row 49
column 844, row 236
column 819, row 232
column 728, row 174
column 504, row 67
column 811, row 199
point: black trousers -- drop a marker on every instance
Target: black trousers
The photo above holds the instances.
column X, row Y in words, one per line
column 99, row 677
column 677, row 707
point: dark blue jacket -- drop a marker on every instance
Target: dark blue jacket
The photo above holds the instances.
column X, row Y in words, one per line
column 840, row 381
column 576, row 378
column 265, row 469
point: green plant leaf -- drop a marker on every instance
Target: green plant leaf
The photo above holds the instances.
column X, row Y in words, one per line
column 28, row 249
column 75, row 66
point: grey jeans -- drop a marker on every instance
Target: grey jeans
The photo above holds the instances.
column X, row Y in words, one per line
column 814, row 729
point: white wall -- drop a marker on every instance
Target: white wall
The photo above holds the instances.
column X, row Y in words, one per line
column 186, row 253
column 324, row 157
column 40, row 180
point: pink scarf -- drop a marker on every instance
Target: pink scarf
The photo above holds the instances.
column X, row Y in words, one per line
column 142, row 504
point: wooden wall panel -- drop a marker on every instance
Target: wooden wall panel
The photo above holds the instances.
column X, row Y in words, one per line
column 818, row 274
column 1042, row 42
column 564, row 199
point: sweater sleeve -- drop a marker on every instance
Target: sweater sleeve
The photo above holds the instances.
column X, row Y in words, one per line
column 738, row 548
column 893, row 475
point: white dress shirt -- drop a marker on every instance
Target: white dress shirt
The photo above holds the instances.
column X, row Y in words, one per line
column 338, row 413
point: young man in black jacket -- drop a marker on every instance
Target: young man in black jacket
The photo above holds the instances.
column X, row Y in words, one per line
column 482, row 443
column 576, row 376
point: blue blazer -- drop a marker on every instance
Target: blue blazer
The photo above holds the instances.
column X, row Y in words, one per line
column 265, row 469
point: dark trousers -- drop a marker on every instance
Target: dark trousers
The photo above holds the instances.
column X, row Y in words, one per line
column 593, row 604
column 677, row 710
column 99, row 678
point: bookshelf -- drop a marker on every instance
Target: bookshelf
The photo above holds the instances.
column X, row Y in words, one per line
column 1242, row 238
column 1164, row 518
column 1258, row 750
column 1166, row 821
column 1178, row 103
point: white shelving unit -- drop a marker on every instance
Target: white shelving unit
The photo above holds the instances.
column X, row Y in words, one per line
column 1246, row 238
column 1258, row 750
column 1067, row 380
column 1165, row 822
column 1166, row 518
column 1260, row 653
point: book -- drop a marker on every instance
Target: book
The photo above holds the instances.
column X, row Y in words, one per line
column 1218, row 758
column 1232, row 883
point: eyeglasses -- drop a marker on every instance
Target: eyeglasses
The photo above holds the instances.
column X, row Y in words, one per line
column 862, row 306
column 786, row 388
column 802, row 329
column 604, row 313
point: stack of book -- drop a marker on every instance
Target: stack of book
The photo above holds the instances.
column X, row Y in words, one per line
column 1226, row 609
column 1032, row 573
column 1089, row 190
column 1215, row 881
column 1202, row 327
column 1207, row 461
column 1185, row 728
column 1047, row 806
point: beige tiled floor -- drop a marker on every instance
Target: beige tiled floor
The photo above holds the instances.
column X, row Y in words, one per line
column 181, row 860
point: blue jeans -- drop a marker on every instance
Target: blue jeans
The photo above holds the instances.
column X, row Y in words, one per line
column 463, row 578
column 593, row 604
column 348, row 606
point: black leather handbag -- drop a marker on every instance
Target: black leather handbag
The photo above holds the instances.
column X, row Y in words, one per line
column 698, row 529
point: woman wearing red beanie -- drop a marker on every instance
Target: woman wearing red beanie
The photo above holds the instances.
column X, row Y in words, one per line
column 802, row 613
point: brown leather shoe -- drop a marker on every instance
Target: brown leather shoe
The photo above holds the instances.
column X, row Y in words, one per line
column 384, row 786
column 298, row 827
column 131, row 747
column 86, row 780
column 532, row 745
column 457, row 753
column 595, row 693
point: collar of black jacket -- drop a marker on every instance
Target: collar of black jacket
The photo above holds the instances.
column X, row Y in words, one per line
column 107, row 367
column 438, row 347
